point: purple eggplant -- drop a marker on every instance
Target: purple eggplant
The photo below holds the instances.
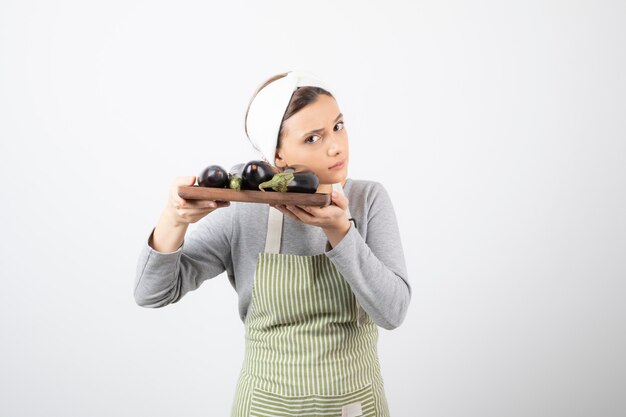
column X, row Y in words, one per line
column 255, row 173
column 213, row 176
column 303, row 182
column 290, row 181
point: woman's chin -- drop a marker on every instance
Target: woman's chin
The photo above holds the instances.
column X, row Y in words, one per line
column 334, row 177
column 326, row 183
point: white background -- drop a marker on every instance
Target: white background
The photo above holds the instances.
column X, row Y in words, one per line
column 498, row 129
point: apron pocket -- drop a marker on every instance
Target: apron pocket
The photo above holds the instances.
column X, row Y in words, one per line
column 359, row 403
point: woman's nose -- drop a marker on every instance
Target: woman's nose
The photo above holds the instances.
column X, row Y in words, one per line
column 334, row 148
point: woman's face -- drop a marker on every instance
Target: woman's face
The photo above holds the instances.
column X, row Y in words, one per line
column 316, row 138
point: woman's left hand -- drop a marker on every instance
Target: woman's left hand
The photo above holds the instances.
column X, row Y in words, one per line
column 330, row 217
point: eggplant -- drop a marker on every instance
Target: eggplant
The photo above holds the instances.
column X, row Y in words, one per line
column 234, row 177
column 294, row 182
column 255, row 173
column 303, row 182
column 213, row 176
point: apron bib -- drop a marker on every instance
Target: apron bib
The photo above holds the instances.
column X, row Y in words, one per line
column 310, row 349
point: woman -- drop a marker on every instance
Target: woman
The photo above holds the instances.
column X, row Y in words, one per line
column 313, row 283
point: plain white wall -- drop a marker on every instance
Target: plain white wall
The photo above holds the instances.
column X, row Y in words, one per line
column 498, row 129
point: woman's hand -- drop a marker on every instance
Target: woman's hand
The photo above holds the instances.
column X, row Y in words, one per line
column 184, row 212
column 332, row 218
column 169, row 233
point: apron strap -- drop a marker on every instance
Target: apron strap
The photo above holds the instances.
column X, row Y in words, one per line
column 274, row 231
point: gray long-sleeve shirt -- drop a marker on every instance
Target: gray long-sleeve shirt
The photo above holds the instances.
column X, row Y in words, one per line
column 369, row 257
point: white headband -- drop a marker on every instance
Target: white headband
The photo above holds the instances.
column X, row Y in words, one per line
column 268, row 108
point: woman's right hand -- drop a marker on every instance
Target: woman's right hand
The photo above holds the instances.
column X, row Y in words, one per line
column 169, row 233
column 184, row 212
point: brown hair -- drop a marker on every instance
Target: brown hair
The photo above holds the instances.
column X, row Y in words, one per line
column 302, row 97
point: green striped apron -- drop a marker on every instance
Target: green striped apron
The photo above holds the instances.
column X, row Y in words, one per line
column 310, row 349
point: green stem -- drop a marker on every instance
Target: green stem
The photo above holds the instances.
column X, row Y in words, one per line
column 279, row 182
column 235, row 183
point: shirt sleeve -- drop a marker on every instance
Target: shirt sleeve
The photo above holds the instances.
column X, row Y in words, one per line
column 164, row 278
column 375, row 267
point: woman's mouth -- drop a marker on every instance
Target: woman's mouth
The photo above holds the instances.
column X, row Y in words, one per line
column 339, row 164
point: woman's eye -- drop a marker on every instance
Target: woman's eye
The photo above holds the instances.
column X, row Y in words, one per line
column 308, row 140
column 315, row 138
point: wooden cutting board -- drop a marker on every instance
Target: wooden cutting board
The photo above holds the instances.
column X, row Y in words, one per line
column 195, row 192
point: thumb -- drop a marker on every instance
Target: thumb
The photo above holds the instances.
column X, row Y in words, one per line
column 339, row 200
column 188, row 180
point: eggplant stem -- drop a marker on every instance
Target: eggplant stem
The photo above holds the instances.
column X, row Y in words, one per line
column 235, row 183
column 279, row 182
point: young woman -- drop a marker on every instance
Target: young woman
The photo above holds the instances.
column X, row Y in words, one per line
column 313, row 283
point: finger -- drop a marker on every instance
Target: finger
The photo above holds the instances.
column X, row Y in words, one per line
column 198, row 211
column 301, row 214
column 177, row 183
column 218, row 204
column 221, row 204
column 322, row 212
column 189, row 211
column 339, row 200
column 308, row 209
column 184, row 204
column 287, row 213
column 199, row 204
column 185, row 181
column 194, row 214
